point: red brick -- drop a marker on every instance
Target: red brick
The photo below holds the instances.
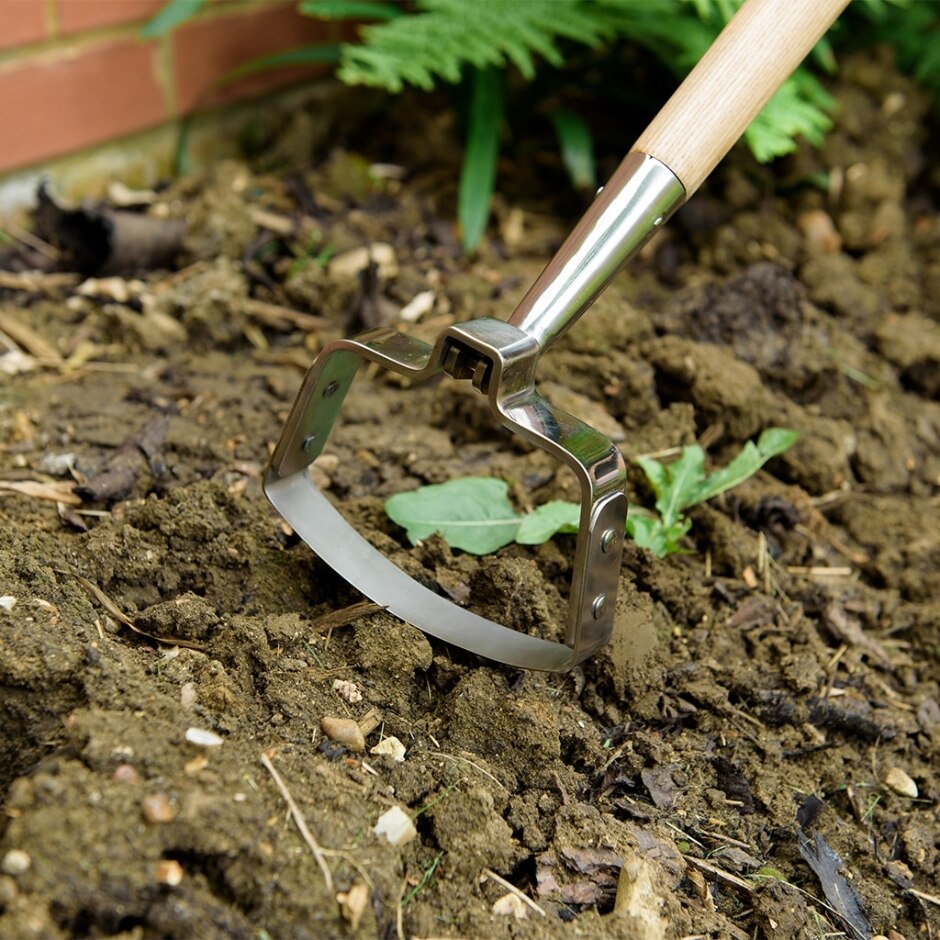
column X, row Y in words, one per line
column 205, row 50
column 55, row 106
column 77, row 15
column 21, row 22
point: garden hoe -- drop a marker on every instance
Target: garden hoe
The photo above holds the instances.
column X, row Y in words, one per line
column 757, row 50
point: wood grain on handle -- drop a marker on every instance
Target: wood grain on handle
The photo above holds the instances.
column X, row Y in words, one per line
column 764, row 42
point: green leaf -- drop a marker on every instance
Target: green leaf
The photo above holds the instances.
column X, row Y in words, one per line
column 302, row 55
column 173, row 14
column 556, row 517
column 675, row 483
column 473, row 514
column 650, row 533
column 752, row 457
column 577, row 149
column 442, row 37
column 478, row 173
column 798, row 108
column 351, row 10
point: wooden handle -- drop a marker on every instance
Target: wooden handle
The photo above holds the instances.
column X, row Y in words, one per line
column 764, row 42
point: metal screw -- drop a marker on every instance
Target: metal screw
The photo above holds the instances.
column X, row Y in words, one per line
column 308, row 441
column 597, row 608
column 330, row 390
column 607, row 540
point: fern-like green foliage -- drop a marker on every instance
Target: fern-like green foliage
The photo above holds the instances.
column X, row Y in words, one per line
column 442, row 38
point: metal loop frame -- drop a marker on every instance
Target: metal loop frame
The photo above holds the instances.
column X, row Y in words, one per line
column 500, row 359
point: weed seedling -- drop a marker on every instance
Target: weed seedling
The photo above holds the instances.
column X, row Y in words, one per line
column 426, row 878
column 474, row 513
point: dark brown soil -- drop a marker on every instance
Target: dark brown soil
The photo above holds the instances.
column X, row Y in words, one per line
column 791, row 653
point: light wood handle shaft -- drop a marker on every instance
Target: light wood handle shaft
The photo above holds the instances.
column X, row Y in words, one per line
column 764, row 42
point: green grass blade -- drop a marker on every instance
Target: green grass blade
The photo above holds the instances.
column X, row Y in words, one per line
column 170, row 16
column 328, row 53
column 577, row 149
column 478, row 174
column 351, row 10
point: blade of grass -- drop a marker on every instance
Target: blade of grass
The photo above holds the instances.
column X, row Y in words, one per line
column 170, row 16
column 577, row 149
column 478, row 173
column 351, row 10
column 302, row 55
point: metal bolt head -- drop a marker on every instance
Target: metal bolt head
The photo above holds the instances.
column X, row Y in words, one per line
column 309, row 441
column 608, row 540
column 330, row 390
column 599, row 606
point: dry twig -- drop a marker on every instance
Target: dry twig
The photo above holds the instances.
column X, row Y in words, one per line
column 301, row 823
column 489, row 873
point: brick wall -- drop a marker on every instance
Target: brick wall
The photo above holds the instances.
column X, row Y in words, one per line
column 76, row 73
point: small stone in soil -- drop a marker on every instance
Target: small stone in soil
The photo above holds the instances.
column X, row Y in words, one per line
column 348, row 691
column 168, row 872
column 125, row 773
column 157, row 809
column 352, row 904
column 901, row 783
column 510, row 905
column 345, row 731
column 203, row 738
column 390, row 747
column 396, row 825
column 16, row 862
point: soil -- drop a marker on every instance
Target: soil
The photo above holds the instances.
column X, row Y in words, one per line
column 778, row 683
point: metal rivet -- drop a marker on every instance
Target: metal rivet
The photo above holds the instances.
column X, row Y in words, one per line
column 658, row 221
column 608, row 539
column 597, row 608
column 330, row 390
column 308, row 441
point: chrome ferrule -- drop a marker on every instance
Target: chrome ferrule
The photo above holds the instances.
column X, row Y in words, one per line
column 635, row 203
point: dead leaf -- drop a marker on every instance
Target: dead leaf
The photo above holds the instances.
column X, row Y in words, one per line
column 660, row 785
column 588, row 861
column 59, row 492
column 827, row 865
column 849, row 630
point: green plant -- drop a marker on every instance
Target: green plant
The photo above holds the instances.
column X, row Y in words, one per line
column 473, row 45
column 474, row 513
column 443, row 40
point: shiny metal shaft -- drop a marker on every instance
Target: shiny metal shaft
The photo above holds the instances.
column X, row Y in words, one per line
column 638, row 199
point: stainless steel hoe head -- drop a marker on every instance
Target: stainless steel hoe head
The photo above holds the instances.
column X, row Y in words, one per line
column 500, row 359
column 755, row 52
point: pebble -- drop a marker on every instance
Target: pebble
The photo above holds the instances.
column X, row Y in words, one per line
column 16, row 862
column 418, row 306
column 350, row 263
column 820, row 232
column 203, row 738
column 352, row 904
column 188, row 695
column 168, row 872
column 347, row 690
column 345, row 731
column 8, row 891
column 390, row 747
column 125, row 773
column 157, row 809
column 7, row 602
column 510, row 905
column 396, row 825
column 901, row 783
